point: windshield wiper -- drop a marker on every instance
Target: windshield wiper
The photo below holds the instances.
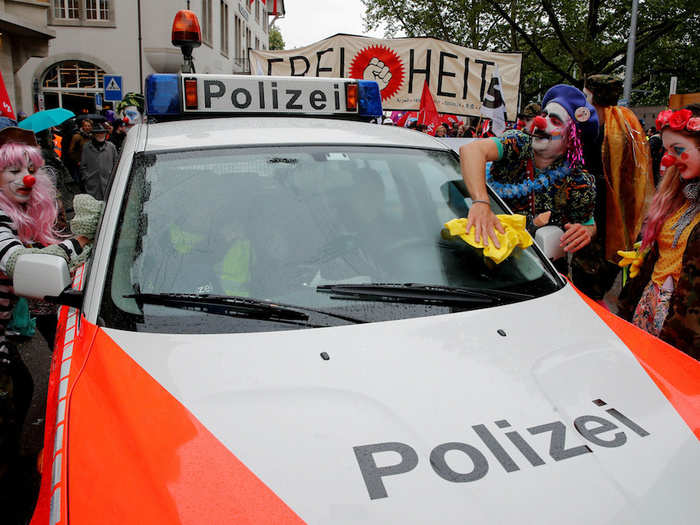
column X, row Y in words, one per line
column 234, row 305
column 421, row 293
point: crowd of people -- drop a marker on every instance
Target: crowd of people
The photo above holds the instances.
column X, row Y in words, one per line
column 470, row 128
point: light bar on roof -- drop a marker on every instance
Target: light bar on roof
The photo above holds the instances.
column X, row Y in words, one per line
column 281, row 96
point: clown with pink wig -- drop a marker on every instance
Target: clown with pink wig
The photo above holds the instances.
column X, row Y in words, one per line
column 663, row 295
column 28, row 211
column 538, row 172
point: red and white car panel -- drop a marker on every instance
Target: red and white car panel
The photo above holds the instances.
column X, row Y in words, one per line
column 550, row 410
column 392, row 428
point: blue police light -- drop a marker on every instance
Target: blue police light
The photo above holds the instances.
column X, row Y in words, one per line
column 163, row 95
column 370, row 99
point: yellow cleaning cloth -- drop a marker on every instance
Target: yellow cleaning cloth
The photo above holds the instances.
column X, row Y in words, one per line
column 515, row 235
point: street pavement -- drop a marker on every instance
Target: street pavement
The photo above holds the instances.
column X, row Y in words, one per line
column 37, row 356
column 19, row 488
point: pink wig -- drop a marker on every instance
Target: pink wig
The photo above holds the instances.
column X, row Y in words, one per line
column 575, row 149
column 36, row 220
column 668, row 198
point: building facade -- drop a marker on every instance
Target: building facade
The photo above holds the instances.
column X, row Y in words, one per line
column 647, row 114
column 130, row 38
column 24, row 34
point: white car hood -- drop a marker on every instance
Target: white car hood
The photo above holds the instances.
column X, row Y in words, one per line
column 311, row 429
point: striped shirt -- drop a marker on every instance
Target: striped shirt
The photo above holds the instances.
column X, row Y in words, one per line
column 9, row 244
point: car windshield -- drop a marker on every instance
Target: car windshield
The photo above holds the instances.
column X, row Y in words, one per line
column 283, row 225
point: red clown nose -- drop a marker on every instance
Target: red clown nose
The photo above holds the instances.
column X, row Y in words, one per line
column 29, row 181
column 539, row 122
column 668, row 160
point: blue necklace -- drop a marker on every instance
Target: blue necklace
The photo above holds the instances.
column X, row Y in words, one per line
column 540, row 183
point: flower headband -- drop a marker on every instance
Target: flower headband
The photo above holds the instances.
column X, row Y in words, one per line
column 681, row 120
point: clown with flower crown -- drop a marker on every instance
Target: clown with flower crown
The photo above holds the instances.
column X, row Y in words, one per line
column 538, row 172
column 663, row 296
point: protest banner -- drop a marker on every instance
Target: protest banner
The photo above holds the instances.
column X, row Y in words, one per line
column 459, row 77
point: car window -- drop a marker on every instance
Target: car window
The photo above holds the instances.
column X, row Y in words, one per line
column 276, row 223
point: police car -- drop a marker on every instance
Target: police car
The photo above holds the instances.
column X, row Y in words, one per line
column 271, row 329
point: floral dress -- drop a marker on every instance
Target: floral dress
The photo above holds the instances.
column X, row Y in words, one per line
column 654, row 305
column 672, row 315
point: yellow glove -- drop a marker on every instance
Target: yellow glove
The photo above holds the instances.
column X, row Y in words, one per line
column 632, row 258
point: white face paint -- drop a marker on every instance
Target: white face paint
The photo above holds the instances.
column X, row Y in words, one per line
column 685, row 151
column 12, row 183
column 552, row 141
column 589, row 95
column 133, row 114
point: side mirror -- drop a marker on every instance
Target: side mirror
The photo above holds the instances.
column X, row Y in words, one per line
column 40, row 276
column 548, row 239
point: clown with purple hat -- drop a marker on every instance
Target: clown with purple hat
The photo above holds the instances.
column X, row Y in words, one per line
column 538, row 172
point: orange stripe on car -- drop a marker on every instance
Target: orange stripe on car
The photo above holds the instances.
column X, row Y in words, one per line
column 675, row 373
column 69, row 353
column 137, row 455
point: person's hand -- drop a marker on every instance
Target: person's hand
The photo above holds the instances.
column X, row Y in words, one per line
column 542, row 219
column 576, row 237
column 87, row 214
column 82, row 240
column 486, row 223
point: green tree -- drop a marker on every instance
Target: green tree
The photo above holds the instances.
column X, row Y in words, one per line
column 276, row 40
column 561, row 40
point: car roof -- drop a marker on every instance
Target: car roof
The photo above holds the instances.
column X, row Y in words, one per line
column 260, row 131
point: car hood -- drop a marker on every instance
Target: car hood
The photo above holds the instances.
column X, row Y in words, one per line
column 477, row 416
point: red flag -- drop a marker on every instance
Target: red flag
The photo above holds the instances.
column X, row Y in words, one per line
column 448, row 117
column 427, row 114
column 447, row 120
column 5, row 106
column 407, row 115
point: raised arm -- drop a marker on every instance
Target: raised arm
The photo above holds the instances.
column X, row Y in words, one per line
column 473, row 159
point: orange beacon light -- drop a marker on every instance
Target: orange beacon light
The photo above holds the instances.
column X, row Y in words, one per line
column 186, row 35
column 186, row 31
